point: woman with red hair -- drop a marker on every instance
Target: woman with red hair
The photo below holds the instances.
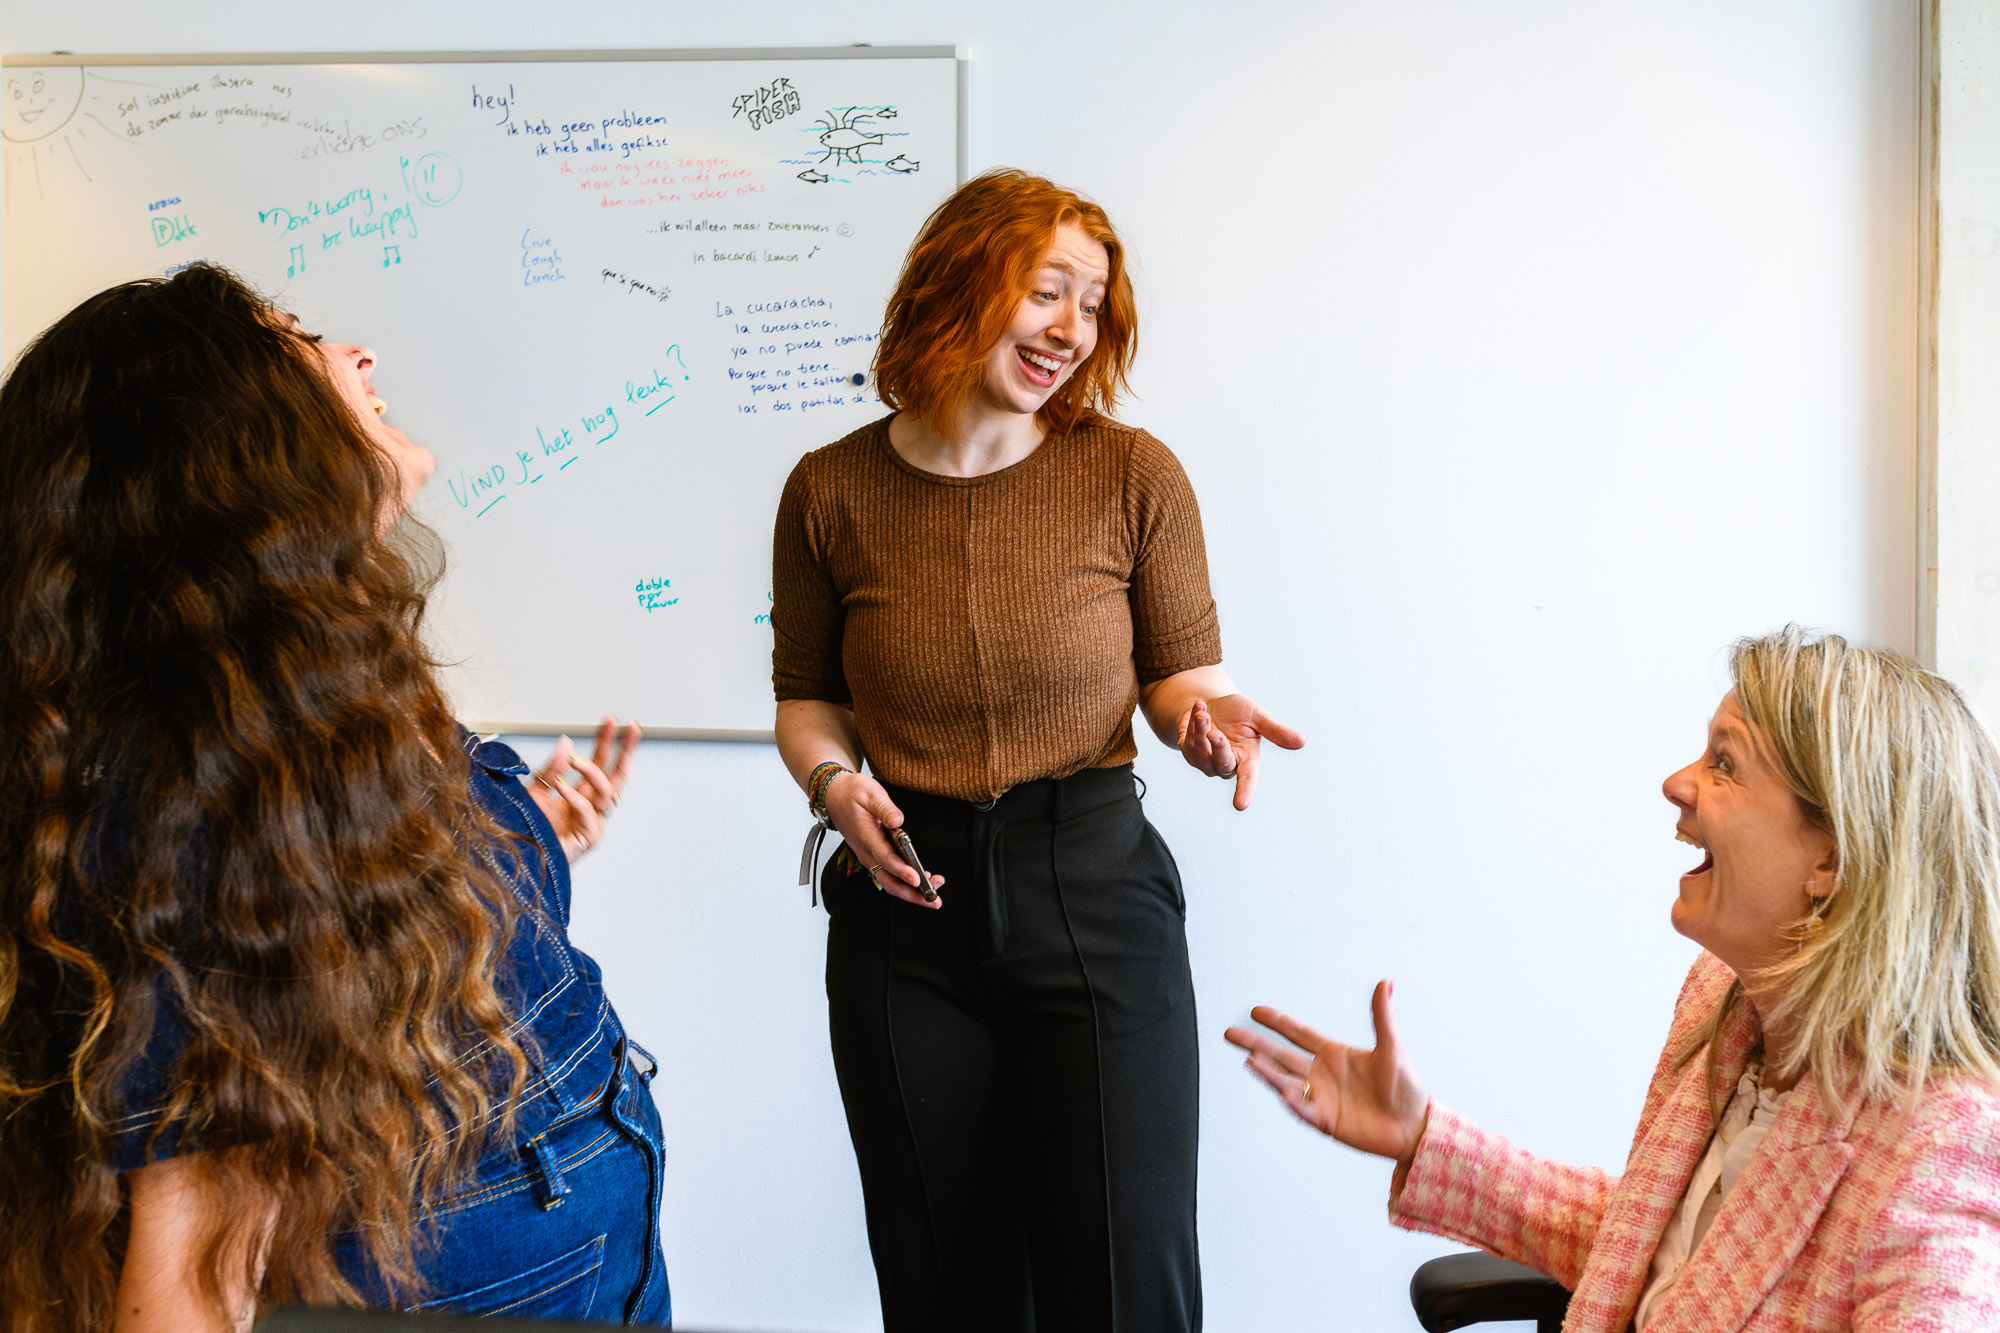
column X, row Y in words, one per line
column 974, row 593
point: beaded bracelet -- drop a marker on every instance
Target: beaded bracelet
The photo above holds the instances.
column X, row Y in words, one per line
column 818, row 781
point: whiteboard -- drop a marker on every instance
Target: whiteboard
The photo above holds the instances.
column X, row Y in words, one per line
column 617, row 295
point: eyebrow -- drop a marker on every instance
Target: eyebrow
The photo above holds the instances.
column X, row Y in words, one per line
column 1064, row 266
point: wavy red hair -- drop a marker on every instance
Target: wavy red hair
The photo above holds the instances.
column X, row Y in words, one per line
column 963, row 280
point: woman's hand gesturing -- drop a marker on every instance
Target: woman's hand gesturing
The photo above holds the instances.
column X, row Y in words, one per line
column 578, row 813
column 1222, row 737
column 1369, row 1100
column 860, row 810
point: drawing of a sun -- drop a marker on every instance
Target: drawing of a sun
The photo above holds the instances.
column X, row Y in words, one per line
column 43, row 111
column 39, row 102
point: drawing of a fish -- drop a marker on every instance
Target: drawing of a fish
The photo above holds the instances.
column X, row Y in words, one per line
column 811, row 177
column 901, row 163
column 847, row 139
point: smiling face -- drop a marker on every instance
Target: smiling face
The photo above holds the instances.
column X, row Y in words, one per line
column 1766, row 860
column 1054, row 327
column 350, row 369
column 35, row 103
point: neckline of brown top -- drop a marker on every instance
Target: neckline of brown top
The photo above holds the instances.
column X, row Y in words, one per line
column 1015, row 468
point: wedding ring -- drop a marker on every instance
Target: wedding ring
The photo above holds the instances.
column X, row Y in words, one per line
column 1305, row 1090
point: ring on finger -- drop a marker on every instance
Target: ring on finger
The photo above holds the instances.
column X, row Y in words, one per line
column 1305, row 1090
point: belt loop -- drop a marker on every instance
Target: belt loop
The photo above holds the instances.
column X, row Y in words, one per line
column 554, row 1188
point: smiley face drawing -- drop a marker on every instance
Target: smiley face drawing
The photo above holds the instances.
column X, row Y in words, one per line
column 42, row 113
column 35, row 103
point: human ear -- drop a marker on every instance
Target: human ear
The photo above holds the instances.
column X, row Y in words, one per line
column 1824, row 880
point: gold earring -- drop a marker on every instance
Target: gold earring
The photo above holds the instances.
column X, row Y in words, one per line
column 1814, row 921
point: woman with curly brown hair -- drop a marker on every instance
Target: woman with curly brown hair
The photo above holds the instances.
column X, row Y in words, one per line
column 975, row 593
column 288, row 1012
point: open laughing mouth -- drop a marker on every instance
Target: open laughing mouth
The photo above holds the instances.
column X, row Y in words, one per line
column 1707, row 860
column 1039, row 367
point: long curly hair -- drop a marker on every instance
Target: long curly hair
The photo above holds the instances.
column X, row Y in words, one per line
column 964, row 277
column 236, row 814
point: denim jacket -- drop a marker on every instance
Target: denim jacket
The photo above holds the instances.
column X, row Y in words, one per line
column 561, row 1221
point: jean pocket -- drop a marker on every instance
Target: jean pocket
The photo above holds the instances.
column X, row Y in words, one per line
column 563, row 1288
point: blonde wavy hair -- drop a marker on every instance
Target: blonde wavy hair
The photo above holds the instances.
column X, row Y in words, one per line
column 1900, row 972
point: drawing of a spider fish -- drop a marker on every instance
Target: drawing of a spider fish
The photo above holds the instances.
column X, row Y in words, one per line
column 842, row 141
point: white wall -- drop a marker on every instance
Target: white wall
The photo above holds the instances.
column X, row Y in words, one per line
column 1522, row 355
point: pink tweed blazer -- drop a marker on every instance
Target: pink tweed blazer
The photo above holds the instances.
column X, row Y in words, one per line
column 1851, row 1216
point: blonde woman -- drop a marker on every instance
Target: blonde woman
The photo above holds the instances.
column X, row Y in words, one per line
column 1820, row 1145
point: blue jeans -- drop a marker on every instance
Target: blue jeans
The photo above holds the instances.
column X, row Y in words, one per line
column 573, row 1232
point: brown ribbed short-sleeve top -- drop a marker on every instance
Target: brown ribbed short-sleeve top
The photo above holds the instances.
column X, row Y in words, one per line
column 990, row 630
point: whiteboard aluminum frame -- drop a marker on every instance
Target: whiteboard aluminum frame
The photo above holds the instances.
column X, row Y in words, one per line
column 859, row 51
column 585, row 729
column 961, row 54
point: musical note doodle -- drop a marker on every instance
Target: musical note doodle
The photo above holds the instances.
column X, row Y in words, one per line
column 298, row 261
column 391, row 254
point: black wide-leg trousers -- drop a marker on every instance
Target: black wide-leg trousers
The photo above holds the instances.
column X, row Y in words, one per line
column 1019, row 1067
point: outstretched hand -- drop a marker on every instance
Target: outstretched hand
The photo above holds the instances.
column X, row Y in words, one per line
column 1369, row 1100
column 578, row 812
column 1222, row 738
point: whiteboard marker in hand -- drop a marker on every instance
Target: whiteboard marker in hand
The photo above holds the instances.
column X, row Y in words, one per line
column 908, row 851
